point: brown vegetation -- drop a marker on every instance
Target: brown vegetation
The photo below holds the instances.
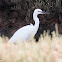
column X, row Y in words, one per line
column 16, row 13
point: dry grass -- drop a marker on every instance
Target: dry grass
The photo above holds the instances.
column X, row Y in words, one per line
column 46, row 50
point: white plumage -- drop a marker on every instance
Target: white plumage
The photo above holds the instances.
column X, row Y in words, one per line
column 26, row 32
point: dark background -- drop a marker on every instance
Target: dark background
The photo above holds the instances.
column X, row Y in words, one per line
column 15, row 14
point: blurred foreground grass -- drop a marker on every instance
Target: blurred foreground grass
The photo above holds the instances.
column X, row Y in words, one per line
column 47, row 49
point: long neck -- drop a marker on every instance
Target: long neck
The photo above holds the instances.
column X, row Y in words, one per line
column 36, row 25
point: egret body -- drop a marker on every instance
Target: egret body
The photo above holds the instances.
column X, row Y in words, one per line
column 25, row 33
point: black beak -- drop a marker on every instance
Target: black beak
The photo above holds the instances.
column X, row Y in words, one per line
column 43, row 12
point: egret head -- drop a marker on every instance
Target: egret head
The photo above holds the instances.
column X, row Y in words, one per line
column 39, row 11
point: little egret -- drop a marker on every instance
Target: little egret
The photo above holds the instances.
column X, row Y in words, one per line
column 25, row 33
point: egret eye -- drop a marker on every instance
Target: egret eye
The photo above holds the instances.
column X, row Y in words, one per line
column 39, row 11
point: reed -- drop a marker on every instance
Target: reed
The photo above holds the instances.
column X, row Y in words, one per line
column 47, row 49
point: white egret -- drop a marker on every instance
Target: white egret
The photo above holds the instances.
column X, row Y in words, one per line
column 26, row 32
